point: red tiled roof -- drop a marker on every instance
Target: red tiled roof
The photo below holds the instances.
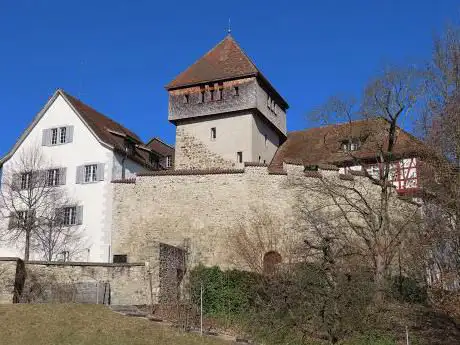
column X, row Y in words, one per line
column 322, row 145
column 225, row 61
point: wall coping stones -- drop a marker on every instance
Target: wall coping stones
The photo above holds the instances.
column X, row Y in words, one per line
column 127, row 181
column 346, row 177
column 315, row 174
column 255, row 164
column 10, row 258
column 192, row 172
column 76, row 263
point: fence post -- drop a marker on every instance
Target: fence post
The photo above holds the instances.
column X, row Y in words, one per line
column 201, row 308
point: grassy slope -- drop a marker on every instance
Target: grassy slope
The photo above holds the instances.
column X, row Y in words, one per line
column 72, row 324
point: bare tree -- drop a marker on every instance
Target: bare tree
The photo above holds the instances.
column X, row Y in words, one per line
column 441, row 130
column 363, row 218
column 31, row 201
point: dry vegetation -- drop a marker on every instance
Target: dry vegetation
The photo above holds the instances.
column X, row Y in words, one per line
column 72, row 324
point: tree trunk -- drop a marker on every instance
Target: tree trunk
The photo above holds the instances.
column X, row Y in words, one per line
column 27, row 246
column 379, row 278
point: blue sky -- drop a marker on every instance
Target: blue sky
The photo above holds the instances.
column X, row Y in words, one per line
column 118, row 55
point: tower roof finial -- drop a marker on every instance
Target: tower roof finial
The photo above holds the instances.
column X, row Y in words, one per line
column 229, row 31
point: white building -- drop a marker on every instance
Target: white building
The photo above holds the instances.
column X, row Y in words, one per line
column 84, row 151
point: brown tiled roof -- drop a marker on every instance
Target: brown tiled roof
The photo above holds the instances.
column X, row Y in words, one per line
column 109, row 131
column 160, row 147
column 225, row 61
column 323, row 145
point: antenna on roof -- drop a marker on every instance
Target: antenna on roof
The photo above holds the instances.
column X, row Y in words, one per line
column 229, row 31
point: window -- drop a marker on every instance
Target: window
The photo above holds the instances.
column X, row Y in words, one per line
column 153, row 160
column 23, row 217
column 57, row 136
column 213, row 133
column 239, row 157
column 350, row 145
column 259, row 159
column 237, row 91
column 186, row 98
column 26, row 180
column 90, row 173
column 62, row 135
column 202, row 94
column 54, row 136
column 168, row 161
column 70, row 215
column 211, row 91
column 221, row 90
column 52, row 178
column 120, row 258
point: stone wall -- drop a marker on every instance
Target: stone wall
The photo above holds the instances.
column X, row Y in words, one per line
column 129, row 283
column 203, row 209
column 191, row 152
column 11, row 279
column 208, row 211
column 171, row 273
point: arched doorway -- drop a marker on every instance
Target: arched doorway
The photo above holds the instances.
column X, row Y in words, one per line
column 271, row 260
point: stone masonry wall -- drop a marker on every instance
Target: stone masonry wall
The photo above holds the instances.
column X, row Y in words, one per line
column 191, row 153
column 129, row 284
column 201, row 211
column 11, row 279
column 205, row 211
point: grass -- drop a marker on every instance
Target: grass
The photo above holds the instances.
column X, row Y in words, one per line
column 74, row 324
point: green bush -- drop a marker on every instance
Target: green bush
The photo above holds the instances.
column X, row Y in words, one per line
column 225, row 293
column 405, row 289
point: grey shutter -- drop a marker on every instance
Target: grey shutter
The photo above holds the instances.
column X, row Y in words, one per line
column 100, row 171
column 62, row 176
column 59, row 216
column 79, row 215
column 69, row 134
column 13, row 221
column 46, row 137
column 16, row 182
column 79, row 178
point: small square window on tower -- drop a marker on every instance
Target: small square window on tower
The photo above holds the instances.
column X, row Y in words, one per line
column 213, row 133
column 239, row 157
column 237, row 91
column 221, row 91
column 202, row 93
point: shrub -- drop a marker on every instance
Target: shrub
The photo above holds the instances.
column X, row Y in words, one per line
column 405, row 289
column 225, row 293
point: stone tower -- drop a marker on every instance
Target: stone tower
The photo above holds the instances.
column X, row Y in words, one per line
column 225, row 111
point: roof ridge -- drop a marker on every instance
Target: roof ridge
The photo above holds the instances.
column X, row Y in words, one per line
column 161, row 141
column 203, row 57
column 126, row 130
